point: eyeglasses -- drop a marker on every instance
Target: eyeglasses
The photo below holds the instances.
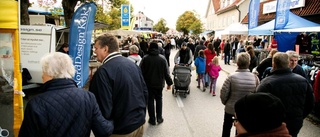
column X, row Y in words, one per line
column 234, row 119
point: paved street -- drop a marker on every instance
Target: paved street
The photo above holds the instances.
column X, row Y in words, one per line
column 200, row 114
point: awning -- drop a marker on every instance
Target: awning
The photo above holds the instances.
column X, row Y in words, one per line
column 206, row 32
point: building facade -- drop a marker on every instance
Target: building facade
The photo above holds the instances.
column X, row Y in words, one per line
column 142, row 22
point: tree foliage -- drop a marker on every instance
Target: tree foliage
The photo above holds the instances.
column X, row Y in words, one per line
column 112, row 17
column 161, row 26
column 189, row 21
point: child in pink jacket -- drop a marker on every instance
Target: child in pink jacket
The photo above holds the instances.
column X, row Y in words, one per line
column 214, row 69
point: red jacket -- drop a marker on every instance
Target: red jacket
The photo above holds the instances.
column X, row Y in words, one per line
column 209, row 56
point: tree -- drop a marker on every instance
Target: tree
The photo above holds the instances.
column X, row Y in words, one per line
column 24, row 16
column 188, row 21
column 161, row 26
column 196, row 27
column 68, row 10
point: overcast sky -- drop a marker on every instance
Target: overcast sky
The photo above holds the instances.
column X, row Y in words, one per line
column 170, row 10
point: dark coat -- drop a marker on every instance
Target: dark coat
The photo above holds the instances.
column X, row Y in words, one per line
column 192, row 47
column 155, row 70
column 121, row 93
column 63, row 110
column 198, row 48
column 299, row 70
column 265, row 63
column 294, row 91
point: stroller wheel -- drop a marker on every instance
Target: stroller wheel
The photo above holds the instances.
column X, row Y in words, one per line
column 185, row 95
column 188, row 91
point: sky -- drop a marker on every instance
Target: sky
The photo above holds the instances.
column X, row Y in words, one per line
column 169, row 10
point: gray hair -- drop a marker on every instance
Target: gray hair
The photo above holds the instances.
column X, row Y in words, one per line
column 292, row 54
column 108, row 40
column 243, row 60
column 280, row 60
column 57, row 65
column 134, row 49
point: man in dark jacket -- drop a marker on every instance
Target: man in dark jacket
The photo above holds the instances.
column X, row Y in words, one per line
column 62, row 109
column 155, row 71
column 293, row 90
column 216, row 45
column 198, row 48
column 119, row 88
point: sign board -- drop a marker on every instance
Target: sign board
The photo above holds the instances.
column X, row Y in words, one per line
column 36, row 41
column 270, row 7
column 125, row 15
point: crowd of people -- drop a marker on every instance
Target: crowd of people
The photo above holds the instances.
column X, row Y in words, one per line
column 273, row 101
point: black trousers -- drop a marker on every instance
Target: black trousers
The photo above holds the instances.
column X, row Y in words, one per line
column 155, row 94
column 227, row 125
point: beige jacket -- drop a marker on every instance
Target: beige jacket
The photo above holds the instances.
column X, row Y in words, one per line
column 237, row 85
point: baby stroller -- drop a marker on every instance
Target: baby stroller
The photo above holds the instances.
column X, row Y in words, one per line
column 182, row 79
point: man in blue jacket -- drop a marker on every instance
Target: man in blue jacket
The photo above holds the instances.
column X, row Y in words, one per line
column 294, row 91
column 119, row 88
column 155, row 71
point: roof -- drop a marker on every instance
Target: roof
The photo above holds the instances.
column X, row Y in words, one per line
column 216, row 5
column 311, row 8
column 228, row 8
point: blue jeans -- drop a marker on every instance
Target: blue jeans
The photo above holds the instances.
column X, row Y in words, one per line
column 207, row 78
column 227, row 58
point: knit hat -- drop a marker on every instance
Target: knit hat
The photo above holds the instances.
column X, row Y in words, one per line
column 260, row 112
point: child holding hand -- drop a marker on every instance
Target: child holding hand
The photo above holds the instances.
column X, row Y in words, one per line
column 214, row 69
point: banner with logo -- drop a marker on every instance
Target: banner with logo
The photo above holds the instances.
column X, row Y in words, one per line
column 81, row 27
column 125, row 16
column 282, row 14
column 254, row 9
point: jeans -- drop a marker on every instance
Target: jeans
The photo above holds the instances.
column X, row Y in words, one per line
column 155, row 94
column 207, row 78
column 227, row 125
column 227, row 58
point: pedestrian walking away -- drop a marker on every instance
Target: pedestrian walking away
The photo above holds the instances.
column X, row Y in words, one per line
column 114, row 84
column 209, row 53
column 62, row 109
column 200, row 64
column 214, row 74
column 155, row 72
column 237, row 85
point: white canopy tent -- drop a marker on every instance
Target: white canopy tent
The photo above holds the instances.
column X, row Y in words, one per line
column 236, row 28
column 303, row 29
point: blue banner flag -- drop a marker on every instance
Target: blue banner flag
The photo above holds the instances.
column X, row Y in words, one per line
column 80, row 35
column 282, row 14
column 254, row 9
column 125, row 15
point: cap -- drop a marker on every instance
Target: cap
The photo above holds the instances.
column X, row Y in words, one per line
column 260, row 112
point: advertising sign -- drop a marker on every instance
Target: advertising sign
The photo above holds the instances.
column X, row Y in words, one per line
column 81, row 27
column 253, row 13
column 125, row 15
column 282, row 14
